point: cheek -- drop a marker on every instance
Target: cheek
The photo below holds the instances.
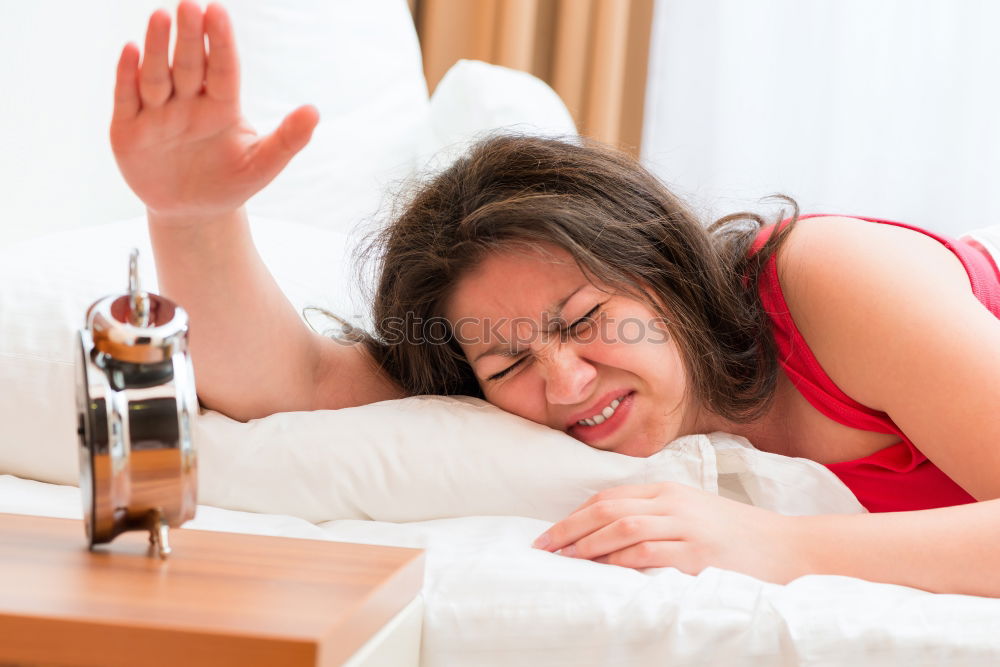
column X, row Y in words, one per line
column 648, row 355
column 631, row 343
column 523, row 396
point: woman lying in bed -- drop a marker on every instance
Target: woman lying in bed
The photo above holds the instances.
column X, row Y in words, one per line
column 563, row 283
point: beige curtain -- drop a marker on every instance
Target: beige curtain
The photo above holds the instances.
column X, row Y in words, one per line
column 594, row 53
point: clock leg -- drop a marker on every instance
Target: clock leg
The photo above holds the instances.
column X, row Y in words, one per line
column 159, row 532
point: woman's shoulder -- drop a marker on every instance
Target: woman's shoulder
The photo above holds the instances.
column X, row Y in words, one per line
column 890, row 315
column 852, row 286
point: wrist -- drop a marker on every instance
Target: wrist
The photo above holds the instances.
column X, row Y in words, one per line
column 194, row 220
column 806, row 543
column 190, row 240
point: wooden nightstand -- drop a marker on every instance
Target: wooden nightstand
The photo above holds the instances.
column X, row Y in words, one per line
column 220, row 599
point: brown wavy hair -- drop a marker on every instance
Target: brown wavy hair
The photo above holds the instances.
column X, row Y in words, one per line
column 622, row 226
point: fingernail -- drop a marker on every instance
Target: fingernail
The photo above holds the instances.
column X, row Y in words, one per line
column 542, row 541
column 569, row 551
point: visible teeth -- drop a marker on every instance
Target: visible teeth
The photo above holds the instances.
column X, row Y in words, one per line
column 603, row 415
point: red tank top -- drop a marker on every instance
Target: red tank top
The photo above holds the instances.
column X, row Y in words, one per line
column 899, row 477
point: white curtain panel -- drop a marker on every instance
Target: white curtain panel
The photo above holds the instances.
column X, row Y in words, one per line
column 882, row 108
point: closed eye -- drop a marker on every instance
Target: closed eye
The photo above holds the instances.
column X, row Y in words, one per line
column 497, row 376
column 586, row 318
column 573, row 327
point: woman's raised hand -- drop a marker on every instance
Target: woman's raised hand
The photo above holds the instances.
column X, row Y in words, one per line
column 177, row 132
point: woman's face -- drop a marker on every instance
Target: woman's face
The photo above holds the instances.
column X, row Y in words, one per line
column 549, row 346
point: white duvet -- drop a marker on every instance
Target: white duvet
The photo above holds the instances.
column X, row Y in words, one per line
column 490, row 599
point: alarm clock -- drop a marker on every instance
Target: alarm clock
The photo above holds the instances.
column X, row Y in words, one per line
column 136, row 406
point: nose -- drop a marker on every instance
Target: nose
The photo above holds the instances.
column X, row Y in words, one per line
column 566, row 373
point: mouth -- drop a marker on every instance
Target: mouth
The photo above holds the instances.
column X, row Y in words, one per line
column 611, row 418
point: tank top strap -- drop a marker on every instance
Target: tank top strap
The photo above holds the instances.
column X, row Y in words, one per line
column 798, row 361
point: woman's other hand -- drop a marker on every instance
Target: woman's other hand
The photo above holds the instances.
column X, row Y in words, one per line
column 177, row 132
column 674, row 525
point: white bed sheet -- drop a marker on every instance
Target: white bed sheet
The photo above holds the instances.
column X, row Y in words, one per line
column 492, row 600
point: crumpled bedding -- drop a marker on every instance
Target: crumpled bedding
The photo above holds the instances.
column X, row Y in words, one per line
column 490, row 599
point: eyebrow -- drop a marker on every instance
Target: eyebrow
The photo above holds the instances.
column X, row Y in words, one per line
column 554, row 311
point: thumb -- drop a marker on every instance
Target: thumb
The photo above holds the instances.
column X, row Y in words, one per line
column 276, row 149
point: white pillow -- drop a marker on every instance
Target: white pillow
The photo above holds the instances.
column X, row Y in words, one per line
column 433, row 457
column 360, row 64
column 475, row 99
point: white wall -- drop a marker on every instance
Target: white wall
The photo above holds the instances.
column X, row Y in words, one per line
column 882, row 108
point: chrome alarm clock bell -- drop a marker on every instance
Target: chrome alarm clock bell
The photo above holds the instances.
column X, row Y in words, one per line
column 136, row 406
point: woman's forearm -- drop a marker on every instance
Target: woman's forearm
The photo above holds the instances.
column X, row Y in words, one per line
column 944, row 550
column 253, row 355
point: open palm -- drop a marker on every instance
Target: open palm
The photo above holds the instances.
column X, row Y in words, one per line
column 177, row 132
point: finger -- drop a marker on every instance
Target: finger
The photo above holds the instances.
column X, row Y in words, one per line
column 624, row 533
column 275, row 150
column 667, row 553
column 127, row 103
column 189, row 53
column 593, row 518
column 155, row 86
column 625, row 491
column 222, row 72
